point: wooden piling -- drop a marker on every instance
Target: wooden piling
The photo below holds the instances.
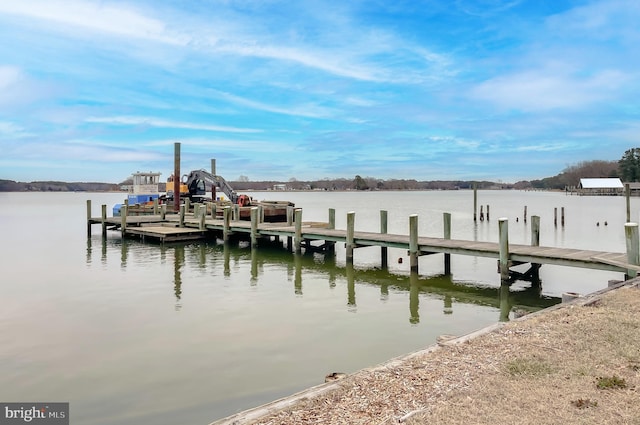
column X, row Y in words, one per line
column 351, row 220
column 254, row 226
column 475, row 201
column 633, row 246
column 332, row 218
column 525, row 213
column 481, row 214
column 627, row 194
column 384, row 251
column 213, row 186
column 155, row 206
column 413, row 242
column 163, row 211
column 562, row 216
column 503, row 232
column 88, row 218
column 183, row 208
column 535, row 230
column 187, row 204
column 236, row 212
column 176, row 177
column 555, row 217
column 202, row 216
column 487, row 212
column 104, row 220
column 123, row 218
column 446, row 218
column 298, row 237
column 290, row 213
column 226, row 227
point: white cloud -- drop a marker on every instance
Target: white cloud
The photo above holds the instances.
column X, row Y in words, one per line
column 94, row 16
column 547, row 89
column 155, row 122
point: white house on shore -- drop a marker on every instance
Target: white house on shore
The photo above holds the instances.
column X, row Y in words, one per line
column 601, row 186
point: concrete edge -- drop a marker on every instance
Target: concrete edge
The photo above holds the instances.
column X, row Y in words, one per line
column 318, row 390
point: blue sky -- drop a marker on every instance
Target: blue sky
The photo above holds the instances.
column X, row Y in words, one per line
column 313, row 89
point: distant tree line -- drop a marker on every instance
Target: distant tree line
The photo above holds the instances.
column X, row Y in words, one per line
column 56, row 186
column 627, row 169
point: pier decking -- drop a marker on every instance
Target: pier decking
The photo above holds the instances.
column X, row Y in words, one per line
column 299, row 234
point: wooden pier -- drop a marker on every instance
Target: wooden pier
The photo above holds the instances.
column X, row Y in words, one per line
column 301, row 235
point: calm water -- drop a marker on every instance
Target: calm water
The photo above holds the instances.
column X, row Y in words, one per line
column 189, row 333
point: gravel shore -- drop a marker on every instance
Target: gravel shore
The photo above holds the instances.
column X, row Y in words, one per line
column 576, row 363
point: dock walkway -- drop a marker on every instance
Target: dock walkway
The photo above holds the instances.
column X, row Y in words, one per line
column 180, row 227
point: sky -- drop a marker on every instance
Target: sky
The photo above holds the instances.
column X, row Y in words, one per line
column 312, row 89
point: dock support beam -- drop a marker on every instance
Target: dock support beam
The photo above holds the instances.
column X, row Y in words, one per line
column 330, row 246
column 503, row 232
column 351, row 221
column 446, row 218
column 413, row 242
column 633, row 247
column 298, row 238
column 254, row 227
column 213, row 186
column 384, row 251
column 535, row 241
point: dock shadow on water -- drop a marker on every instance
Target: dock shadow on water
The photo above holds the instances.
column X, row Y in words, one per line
column 236, row 327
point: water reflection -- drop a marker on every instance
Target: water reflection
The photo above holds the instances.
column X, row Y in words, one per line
column 210, row 255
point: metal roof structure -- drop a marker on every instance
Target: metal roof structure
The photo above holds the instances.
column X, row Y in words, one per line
column 602, row 183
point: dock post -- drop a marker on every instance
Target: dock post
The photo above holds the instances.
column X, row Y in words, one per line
column 525, row 213
column 254, row 227
column 475, row 201
column 298, row 238
column 627, row 193
column 213, row 186
column 555, row 217
column 535, row 241
column 487, row 212
column 88, row 218
column 446, row 218
column 562, row 216
column 481, row 214
column 261, row 213
column 226, row 218
column 163, row 211
column 351, row 220
column 535, row 230
column 290, row 213
column 176, row 175
column 155, row 206
column 183, row 208
column 633, row 247
column 104, row 220
column 332, row 218
column 413, row 242
column 236, row 212
column 187, row 204
column 123, row 218
column 503, row 232
column 384, row 251
column 202, row 216
column 213, row 210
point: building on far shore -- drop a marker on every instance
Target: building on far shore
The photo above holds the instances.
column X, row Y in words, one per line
column 601, row 186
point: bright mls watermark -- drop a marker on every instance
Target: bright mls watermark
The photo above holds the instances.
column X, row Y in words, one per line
column 34, row 413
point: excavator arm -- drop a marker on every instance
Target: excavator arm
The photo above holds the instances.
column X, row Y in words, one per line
column 197, row 181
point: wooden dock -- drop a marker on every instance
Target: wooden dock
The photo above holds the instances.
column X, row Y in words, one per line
column 301, row 235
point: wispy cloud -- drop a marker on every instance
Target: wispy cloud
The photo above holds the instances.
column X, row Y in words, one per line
column 155, row 122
